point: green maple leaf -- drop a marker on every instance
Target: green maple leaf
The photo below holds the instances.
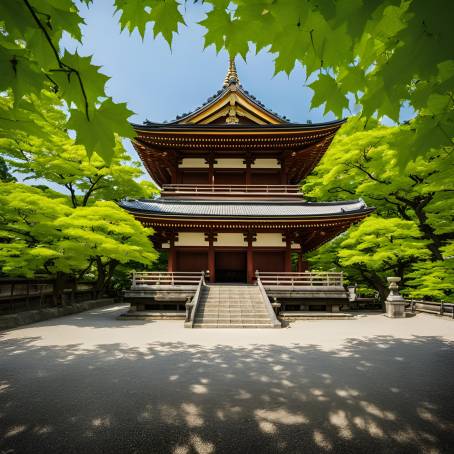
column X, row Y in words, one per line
column 296, row 41
column 79, row 69
column 18, row 73
column 166, row 18
column 133, row 15
column 326, row 90
column 217, row 23
column 98, row 133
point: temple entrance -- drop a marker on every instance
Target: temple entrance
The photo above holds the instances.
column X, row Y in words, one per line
column 231, row 266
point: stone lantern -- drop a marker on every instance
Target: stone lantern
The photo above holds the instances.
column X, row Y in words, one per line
column 395, row 304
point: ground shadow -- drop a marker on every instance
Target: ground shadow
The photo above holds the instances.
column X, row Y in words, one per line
column 379, row 395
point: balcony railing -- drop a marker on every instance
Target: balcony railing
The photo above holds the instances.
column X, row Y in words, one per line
column 142, row 279
column 232, row 189
column 303, row 279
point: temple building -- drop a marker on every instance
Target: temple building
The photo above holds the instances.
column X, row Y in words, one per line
column 230, row 175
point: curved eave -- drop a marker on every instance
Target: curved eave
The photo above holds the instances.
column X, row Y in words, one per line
column 237, row 129
column 250, row 219
column 266, row 217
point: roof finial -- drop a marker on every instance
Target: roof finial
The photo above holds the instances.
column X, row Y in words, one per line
column 232, row 75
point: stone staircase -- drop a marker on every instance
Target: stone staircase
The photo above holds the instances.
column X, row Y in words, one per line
column 231, row 306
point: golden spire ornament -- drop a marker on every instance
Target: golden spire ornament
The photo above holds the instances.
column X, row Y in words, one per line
column 232, row 75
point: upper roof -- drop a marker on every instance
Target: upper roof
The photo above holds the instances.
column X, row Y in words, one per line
column 231, row 123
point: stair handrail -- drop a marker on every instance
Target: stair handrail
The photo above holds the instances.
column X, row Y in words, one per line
column 269, row 308
column 191, row 306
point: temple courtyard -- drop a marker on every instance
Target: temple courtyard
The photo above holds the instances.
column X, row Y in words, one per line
column 92, row 383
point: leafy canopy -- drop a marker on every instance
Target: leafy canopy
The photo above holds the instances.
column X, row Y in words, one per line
column 382, row 53
column 412, row 235
column 41, row 233
column 53, row 156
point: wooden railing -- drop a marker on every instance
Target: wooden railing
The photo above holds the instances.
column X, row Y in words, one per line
column 303, row 279
column 234, row 188
column 153, row 278
column 431, row 307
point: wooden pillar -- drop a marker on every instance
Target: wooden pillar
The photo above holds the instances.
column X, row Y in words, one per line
column 172, row 255
column 210, row 161
column 300, row 260
column 174, row 174
column 288, row 253
column 211, row 238
column 248, row 161
column 250, row 238
column 284, row 175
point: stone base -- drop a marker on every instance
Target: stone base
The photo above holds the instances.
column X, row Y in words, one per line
column 312, row 315
column 153, row 315
column 395, row 309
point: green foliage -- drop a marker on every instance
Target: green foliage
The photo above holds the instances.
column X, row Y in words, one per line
column 384, row 53
column 414, row 203
column 383, row 244
column 41, row 233
column 5, row 175
column 432, row 280
column 53, row 156
column 32, row 60
column 28, row 234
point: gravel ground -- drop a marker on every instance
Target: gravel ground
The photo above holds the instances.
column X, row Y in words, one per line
column 89, row 383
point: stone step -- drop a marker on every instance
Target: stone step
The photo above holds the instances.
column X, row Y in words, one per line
column 232, row 311
column 231, row 307
column 232, row 325
column 227, row 321
column 203, row 317
column 226, row 304
column 252, row 307
column 237, row 300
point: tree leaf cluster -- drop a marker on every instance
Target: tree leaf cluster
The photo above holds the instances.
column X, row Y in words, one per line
column 383, row 54
column 41, row 233
column 79, row 232
column 412, row 231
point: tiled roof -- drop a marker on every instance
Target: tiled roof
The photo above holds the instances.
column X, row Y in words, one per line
column 240, row 209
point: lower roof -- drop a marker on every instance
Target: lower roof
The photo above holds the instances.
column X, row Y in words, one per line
column 216, row 209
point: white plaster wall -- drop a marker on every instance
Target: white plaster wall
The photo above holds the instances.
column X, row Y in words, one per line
column 230, row 239
column 191, row 239
column 266, row 163
column 193, row 163
column 165, row 246
column 269, row 240
column 230, row 163
column 295, row 246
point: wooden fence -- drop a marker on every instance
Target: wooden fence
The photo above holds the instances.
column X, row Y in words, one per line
column 24, row 294
column 431, row 307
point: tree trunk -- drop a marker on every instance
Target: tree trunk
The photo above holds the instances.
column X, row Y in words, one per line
column 110, row 270
column 374, row 280
column 59, row 287
column 428, row 233
column 101, row 268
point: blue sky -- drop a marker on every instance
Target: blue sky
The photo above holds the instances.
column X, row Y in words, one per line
column 159, row 83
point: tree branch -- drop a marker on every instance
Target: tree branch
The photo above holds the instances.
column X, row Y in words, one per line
column 63, row 66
